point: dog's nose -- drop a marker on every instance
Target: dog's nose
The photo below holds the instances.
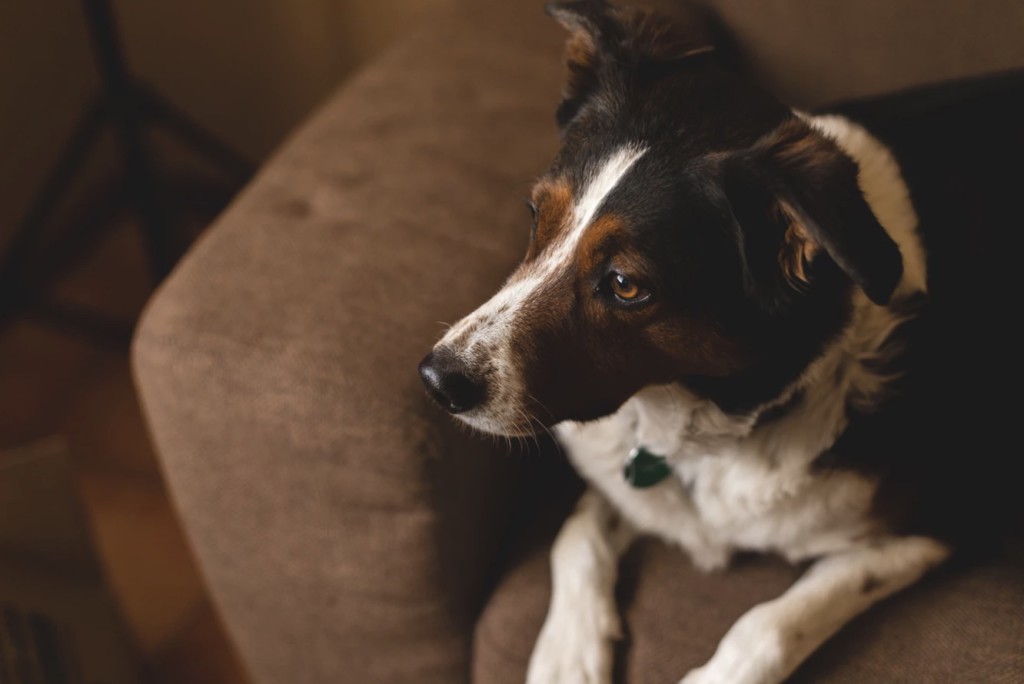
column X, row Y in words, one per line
column 449, row 383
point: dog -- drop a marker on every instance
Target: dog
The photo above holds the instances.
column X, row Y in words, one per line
column 720, row 314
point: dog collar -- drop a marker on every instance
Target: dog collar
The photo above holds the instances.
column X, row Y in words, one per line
column 644, row 469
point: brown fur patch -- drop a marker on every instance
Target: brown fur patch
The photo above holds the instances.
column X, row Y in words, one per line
column 580, row 49
column 554, row 199
column 696, row 346
column 798, row 249
column 581, row 62
column 590, row 251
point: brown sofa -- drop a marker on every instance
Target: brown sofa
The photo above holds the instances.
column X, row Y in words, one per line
column 348, row 531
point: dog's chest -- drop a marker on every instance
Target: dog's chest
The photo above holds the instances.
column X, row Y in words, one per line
column 730, row 488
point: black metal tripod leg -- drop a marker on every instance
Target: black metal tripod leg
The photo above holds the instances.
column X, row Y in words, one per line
column 194, row 135
column 145, row 195
column 27, row 238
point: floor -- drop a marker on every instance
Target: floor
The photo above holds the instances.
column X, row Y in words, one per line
column 56, row 383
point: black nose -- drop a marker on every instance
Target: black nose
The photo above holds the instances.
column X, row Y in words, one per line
column 449, row 383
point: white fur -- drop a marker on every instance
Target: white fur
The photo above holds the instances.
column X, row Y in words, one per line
column 575, row 644
column 485, row 333
column 739, row 486
column 604, row 181
column 771, row 640
column 885, row 191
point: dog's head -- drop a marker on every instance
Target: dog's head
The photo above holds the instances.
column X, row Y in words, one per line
column 691, row 229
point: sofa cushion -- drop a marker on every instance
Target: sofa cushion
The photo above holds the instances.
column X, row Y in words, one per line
column 344, row 523
column 962, row 624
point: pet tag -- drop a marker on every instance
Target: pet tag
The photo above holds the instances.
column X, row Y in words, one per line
column 644, row 469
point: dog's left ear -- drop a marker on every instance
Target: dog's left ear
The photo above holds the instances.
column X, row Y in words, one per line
column 794, row 194
column 605, row 37
column 592, row 32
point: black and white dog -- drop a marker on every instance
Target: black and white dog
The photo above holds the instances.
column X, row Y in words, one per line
column 717, row 311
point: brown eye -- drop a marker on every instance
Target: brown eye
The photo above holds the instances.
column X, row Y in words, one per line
column 533, row 209
column 624, row 288
column 533, row 218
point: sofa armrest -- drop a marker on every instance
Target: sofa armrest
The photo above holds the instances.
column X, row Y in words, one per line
column 343, row 524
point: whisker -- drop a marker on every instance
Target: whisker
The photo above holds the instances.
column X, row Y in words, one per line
column 528, row 419
column 539, row 422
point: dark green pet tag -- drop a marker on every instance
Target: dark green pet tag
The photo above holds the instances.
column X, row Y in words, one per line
column 644, row 469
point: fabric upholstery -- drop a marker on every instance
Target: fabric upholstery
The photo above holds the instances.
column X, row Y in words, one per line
column 349, row 532
column 961, row 625
column 334, row 511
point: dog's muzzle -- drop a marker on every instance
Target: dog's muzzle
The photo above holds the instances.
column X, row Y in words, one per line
column 450, row 383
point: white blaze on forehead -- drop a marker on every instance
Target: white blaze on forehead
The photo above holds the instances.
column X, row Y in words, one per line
column 602, row 180
column 600, row 185
column 502, row 307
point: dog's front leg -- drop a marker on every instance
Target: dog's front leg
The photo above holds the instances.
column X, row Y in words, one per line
column 575, row 643
column 770, row 641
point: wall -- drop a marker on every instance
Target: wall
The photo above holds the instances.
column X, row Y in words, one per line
column 249, row 70
column 46, row 78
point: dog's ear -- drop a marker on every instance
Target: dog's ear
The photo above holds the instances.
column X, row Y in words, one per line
column 796, row 200
column 602, row 35
column 592, row 30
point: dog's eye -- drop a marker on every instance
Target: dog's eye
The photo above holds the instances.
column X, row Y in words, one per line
column 625, row 289
column 533, row 213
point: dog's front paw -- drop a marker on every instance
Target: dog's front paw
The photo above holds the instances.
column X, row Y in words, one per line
column 713, row 674
column 698, row 675
column 707, row 675
column 745, row 656
column 710, row 674
column 575, row 646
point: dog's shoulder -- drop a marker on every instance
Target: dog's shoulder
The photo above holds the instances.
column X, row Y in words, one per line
column 936, row 439
column 772, row 478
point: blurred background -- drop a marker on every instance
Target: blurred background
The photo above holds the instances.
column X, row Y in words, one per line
column 120, row 593
column 127, row 126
